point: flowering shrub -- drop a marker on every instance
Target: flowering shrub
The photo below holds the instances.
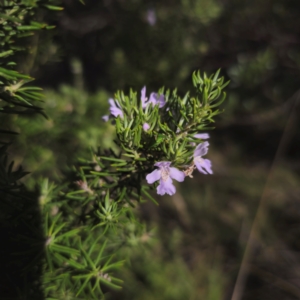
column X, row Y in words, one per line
column 158, row 139
column 84, row 221
column 161, row 131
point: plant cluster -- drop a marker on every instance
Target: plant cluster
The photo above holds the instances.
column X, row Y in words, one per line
column 18, row 22
column 93, row 217
column 76, row 232
column 164, row 130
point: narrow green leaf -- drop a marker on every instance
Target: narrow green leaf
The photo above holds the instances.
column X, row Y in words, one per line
column 22, row 99
column 64, row 249
column 28, row 27
column 83, row 285
column 149, row 196
column 88, row 259
column 75, row 264
column 112, row 159
column 52, row 7
column 97, row 260
column 10, row 18
column 110, row 284
column 6, row 53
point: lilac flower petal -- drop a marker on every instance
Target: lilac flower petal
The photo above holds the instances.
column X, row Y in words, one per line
column 203, row 165
column 143, row 97
column 146, row 126
column 176, row 174
column 161, row 101
column 153, row 98
column 143, row 93
column 151, row 17
column 201, row 149
column 115, row 111
column 207, row 165
column 203, row 136
column 111, row 102
column 166, row 187
column 115, row 108
column 153, row 176
column 156, row 99
column 162, row 164
column 105, row 118
column 199, row 167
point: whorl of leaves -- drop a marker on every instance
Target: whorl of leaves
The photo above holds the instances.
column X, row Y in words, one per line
column 17, row 22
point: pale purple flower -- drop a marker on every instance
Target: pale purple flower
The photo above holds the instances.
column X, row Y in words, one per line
column 151, row 16
column 146, row 126
column 203, row 165
column 105, row 118
column 164, row 174
column 115, row 109
column 154, row 99
column 203, row 136
column 143, row 97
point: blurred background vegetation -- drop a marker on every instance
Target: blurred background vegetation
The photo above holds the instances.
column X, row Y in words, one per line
column 199, row 236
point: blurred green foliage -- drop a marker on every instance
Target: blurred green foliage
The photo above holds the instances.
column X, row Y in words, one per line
column 74, row 123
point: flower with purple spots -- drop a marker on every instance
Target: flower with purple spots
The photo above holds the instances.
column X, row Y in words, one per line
column 165, row 174
column 203, row 165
